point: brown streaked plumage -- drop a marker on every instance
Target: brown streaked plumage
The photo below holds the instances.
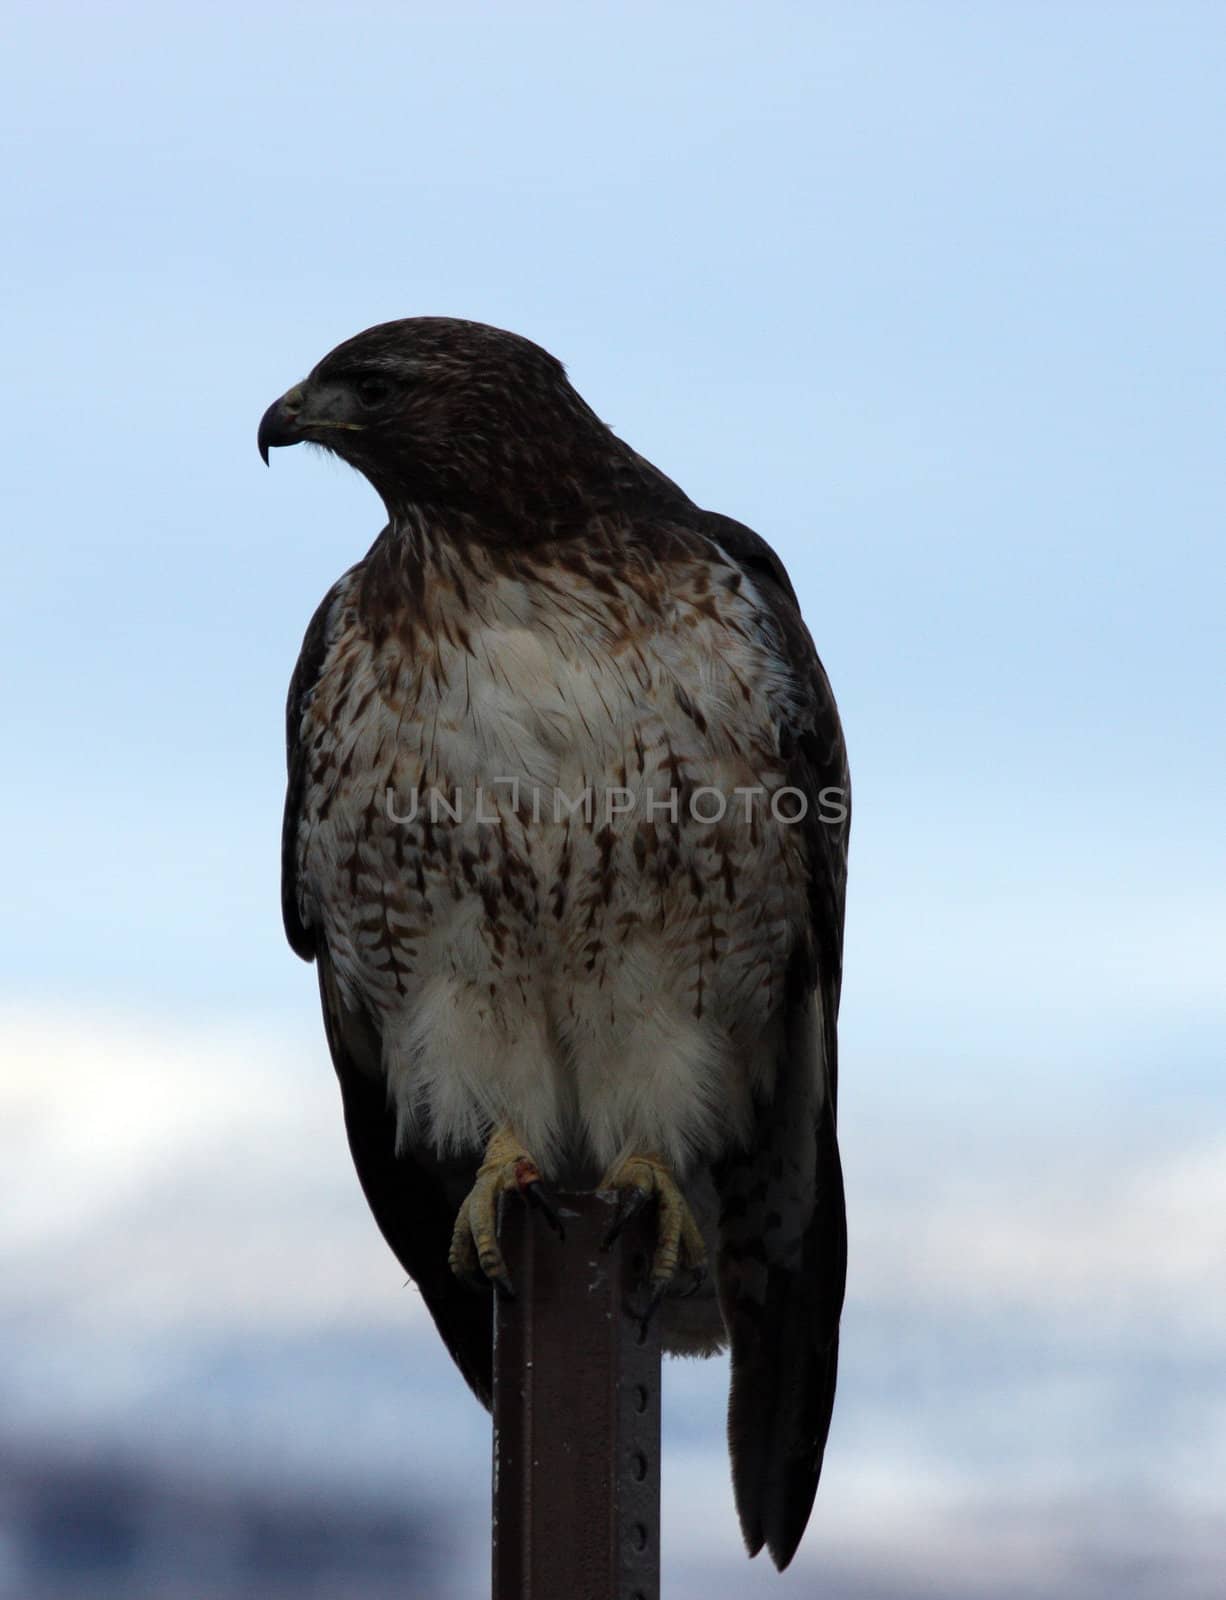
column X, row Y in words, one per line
column 639, row 989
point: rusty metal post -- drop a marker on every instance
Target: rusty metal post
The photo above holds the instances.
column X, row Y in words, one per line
column 576, row 1411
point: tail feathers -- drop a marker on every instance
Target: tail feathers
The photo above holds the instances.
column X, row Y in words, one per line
column 779, row 1412
column 783, row 1323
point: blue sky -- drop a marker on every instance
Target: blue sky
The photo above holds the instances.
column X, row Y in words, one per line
column 928, row 294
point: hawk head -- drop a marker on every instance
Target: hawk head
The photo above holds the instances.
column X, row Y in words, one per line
column 440, row 412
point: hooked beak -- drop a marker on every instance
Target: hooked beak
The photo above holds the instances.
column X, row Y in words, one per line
column 312, row 409
column 280, row 424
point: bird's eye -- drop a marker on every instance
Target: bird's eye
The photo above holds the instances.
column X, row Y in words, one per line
column 372, row 390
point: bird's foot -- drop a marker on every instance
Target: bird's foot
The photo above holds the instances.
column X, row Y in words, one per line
column 506, row 1169
column 679, row 1243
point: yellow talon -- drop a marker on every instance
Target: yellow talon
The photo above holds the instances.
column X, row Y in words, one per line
column 506, row 1169
column 679, row 1241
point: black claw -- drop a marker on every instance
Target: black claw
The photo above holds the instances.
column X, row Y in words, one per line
column 632, row 1202
column 503, row 1287
column 538, row 1196
column 658, row 1291
column 698, row 1276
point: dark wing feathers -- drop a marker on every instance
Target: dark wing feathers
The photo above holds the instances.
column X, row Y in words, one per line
column 410, row 1198
column 783, row 1252
column 413, row 1201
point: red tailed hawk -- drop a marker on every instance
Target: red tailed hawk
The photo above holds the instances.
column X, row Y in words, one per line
column 566, row 838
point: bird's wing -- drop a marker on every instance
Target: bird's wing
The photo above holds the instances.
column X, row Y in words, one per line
column 783, row 1249
column 413, row 1198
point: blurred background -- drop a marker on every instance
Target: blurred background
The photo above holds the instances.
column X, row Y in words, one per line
column 932, row 296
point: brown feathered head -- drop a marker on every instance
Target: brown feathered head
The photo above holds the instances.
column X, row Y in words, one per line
column 457, row 415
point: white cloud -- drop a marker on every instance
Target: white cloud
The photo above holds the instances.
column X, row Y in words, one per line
column 1069, row 1231
column 155, row 1176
